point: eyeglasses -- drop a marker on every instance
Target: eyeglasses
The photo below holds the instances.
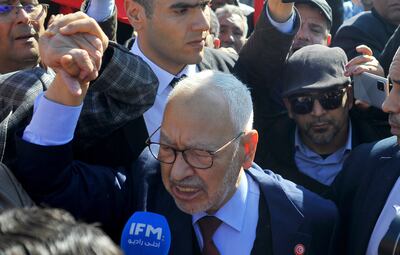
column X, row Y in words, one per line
column 329, row 100
column 196, row 158
column 34, row 10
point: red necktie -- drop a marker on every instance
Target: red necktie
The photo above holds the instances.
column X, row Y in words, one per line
column 208, row 225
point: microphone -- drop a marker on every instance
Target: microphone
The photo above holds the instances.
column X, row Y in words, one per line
column 146, row 233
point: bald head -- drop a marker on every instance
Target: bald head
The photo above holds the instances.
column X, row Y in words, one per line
column 212, row 95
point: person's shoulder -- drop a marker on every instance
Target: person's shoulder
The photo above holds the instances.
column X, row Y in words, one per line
column 375, row 150
column 361, row 21
column 365, row 159
column 25, row 83
column 221, row 59
column 308, row 203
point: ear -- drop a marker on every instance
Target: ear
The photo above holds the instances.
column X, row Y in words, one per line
column 287, row 105
column 135, row 14
column 249, row 141
column 328, row 40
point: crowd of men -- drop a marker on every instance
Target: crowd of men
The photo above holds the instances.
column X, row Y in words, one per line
column 204, row 117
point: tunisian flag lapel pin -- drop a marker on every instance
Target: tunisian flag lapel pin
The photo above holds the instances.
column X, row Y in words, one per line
column 299, row 249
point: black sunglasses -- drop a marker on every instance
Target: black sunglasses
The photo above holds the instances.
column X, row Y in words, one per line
column 329, row 100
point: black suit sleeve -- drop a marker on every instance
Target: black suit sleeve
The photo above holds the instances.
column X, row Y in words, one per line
column 90, row 193
column 386, row 57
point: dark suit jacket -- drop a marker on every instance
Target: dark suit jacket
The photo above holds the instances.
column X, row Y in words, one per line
column 361, row 189
column 260, row 63
column 110, row 196
column 371, row 29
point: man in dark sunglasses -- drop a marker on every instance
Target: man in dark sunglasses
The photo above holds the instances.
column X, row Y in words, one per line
column 310, row 142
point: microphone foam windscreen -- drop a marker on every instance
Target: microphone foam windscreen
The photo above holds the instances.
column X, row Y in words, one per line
column 146, row 233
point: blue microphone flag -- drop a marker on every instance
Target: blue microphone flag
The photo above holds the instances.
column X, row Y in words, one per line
column 146, row 233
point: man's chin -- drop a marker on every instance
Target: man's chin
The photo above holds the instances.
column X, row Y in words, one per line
column 189, row 209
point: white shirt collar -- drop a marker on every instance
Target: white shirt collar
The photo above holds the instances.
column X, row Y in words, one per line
column 164, row 77
column 233, row 212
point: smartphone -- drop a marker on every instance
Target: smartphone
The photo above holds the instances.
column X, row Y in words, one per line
column 371, row 88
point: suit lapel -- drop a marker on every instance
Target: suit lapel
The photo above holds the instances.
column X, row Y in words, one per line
column 262, row 243
column 283, row 214
column 374, row 194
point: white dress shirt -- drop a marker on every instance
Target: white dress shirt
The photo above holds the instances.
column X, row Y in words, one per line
column 239, row 217
column 153, row 116
column 385, row 218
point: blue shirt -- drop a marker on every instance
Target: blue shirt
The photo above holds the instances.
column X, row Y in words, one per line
column 315, row 166
column 239, row 218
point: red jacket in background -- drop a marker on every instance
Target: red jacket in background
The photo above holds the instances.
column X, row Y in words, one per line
column 68, row 6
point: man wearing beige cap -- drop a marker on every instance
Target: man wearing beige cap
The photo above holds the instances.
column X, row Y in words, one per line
column 310, row 142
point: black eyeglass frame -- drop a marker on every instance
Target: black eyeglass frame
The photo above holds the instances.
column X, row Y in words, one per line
column 212, row 153
column 321, row 97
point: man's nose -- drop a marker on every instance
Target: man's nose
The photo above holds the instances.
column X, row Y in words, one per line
column 200, row 21
column 180, row 168
column 317, row 110
column 21, row 15
column 302, row 33
column 391, row 104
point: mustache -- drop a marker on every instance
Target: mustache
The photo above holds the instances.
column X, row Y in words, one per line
column 192, row 182
column 320, row 120
column 23, row 31
column 394, row 119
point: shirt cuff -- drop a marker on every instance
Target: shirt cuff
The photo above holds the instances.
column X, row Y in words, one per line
column 100, row 10
column 52, row 123
column 285, row 27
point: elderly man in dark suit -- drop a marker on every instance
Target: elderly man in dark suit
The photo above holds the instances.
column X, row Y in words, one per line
column 206, row 150
column 367, row 190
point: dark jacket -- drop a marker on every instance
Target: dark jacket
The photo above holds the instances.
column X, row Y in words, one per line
column 371, row 29
column 292, row 215
column 360, row 191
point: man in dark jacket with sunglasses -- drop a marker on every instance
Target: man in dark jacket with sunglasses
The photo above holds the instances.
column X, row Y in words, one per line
column 309, row 143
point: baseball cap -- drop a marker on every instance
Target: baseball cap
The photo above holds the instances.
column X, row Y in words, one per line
column 322, row 5
column 314, row 68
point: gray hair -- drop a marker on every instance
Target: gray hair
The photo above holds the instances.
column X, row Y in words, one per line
column 233, row 9
column 236, row 95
